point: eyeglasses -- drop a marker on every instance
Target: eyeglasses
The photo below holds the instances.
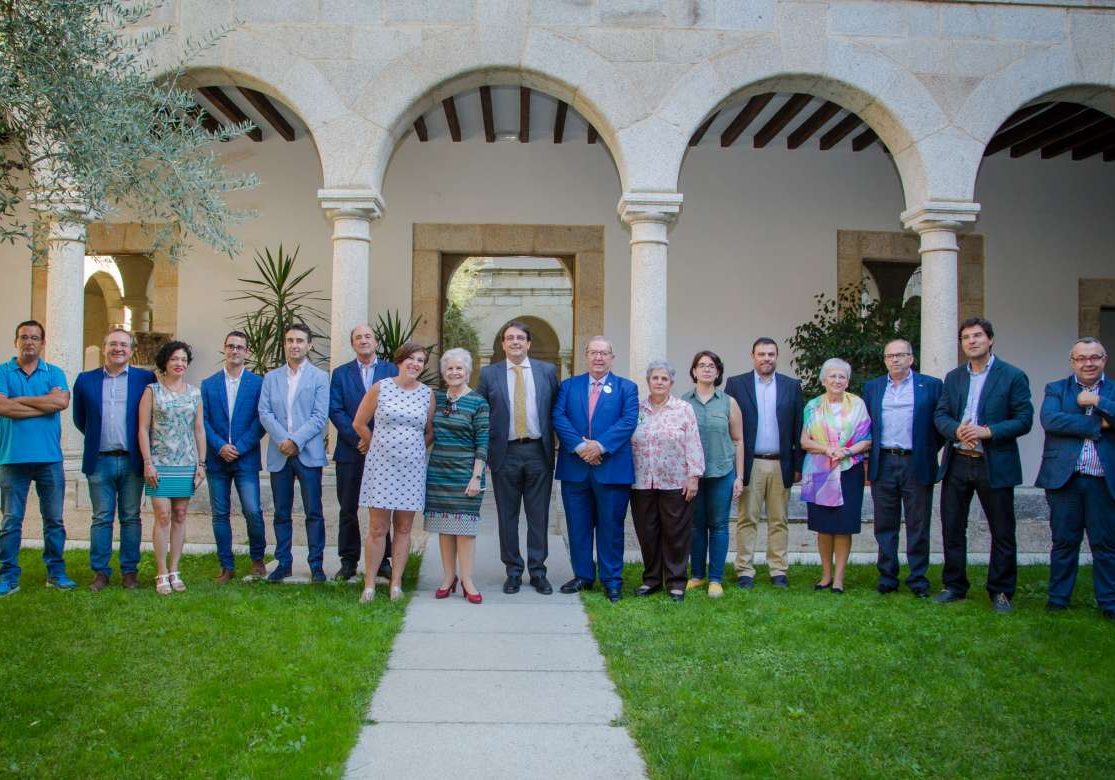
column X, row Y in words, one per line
column 25, row 337
column 896, row 355
column 450, row 408
column 598, row 352
column 236, row 347
column 1088, row 358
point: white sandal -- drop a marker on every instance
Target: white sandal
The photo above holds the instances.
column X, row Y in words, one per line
column 368, row 595
column 396, row 593
column 176, row 582
column 162, row 584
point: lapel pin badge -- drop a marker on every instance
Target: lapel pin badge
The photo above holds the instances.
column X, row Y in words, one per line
column 607, row 388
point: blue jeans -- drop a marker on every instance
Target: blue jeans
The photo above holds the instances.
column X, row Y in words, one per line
column 710, row 526
column 113, row 488
column 15, row 484
column 282, row 489
column 220, row 501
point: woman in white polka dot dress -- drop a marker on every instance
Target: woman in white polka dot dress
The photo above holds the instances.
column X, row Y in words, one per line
column 394, row 480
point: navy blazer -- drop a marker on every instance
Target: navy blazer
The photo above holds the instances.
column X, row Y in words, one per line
column 613, row 423
column 926, row 440
column 1004, row 407
column 346, row 391
column 788, row 411
column 245, row 431
column 493, row 388
column 1066, row 428
column 87, row 414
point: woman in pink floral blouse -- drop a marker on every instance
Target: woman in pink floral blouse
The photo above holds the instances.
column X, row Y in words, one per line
column 669, row 462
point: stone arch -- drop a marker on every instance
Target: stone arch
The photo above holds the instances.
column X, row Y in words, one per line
column 890, row 99
column 103, row 307
column 545, row 344
column 468, row 57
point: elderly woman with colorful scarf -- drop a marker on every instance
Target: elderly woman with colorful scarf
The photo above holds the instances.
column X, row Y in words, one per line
column 836, row 432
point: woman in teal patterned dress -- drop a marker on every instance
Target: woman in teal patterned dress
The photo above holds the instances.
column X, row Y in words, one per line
column 172, row 442
column 455, row 475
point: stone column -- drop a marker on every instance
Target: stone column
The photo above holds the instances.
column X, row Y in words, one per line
column 938, row 224
column 649, row 214
column 352, row 213
column 65, row 306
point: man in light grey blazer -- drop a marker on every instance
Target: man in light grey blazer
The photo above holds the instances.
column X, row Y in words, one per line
column 294, row 408
column 521, row 395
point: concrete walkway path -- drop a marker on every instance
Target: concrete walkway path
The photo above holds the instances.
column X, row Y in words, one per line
column 514, row 687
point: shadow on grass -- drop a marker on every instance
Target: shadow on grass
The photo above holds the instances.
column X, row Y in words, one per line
column 770, row 683
column 241, row 680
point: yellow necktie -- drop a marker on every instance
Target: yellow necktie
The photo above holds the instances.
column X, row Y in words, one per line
column 520, row 410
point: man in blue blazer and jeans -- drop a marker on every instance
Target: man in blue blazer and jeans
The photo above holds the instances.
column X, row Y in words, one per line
column 1078, row 474
column 347, row 388
column 594, row 417
column 984, row 408
column 106, row 411
column 230, row 399
column 902, row 464
column 294, row 409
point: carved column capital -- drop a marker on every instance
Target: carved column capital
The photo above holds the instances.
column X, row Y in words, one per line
column 354, row 203
column 660, row 207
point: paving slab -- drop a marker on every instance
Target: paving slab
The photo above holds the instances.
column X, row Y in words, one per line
column 487, row 618
column 482, row 751
column 496, row 652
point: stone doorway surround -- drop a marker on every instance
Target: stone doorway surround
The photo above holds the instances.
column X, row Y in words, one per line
column 1093, row 295
column 435, row 247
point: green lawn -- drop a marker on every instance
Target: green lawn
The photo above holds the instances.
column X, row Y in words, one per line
column 769, row 683
column 244, row 680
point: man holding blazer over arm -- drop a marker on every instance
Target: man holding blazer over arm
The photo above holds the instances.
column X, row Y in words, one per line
column 594, row 417
column 984, row 408
column 1078, row 474
column 521, row 395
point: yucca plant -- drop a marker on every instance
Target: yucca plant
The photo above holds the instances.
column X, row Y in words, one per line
column 280, row 304
column 391, row 333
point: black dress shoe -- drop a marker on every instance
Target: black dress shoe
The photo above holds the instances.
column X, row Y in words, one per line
column 613, row 594
column 947, row 596
column 542, row 585
column 819, row 586
column 346, row 573
column 884, row 589
column 921, row 593
column 745, row 582
column 576, row 585
column 1109, row 614
column 677, row 595
column 646, row 590
column 512, row 584
column 780, row 581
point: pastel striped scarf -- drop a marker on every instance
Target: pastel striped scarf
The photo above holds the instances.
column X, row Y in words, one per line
column 820, row 481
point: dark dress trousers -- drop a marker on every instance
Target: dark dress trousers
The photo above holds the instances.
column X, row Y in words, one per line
column 346, row 390
column 522, row 471
column 595, row 497
column 904, row 481
column 1078, row 502
column 789, row 404
column 1004, row 407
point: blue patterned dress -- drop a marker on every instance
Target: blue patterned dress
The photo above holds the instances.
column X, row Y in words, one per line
column 173, row 448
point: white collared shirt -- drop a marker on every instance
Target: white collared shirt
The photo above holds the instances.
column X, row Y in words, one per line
column 534, row 430
column 293, row 377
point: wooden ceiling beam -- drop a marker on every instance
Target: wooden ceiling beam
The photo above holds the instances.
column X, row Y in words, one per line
column 1058, row 112
column 559, row 121
column 811, row 125
column 790, row 109
column 420, row 129
column 1021, row 114
column 744, row 118
column 207, row 120
column 224, row 104
column 864, row 140
column 451, row 119
column 840, row 131
column 261, row 103
column 524, row 115
column 1078, row 139
column 1099, row 144
column 697, row 136
column 1057, row 132
column 489, row 117
column 592, row 135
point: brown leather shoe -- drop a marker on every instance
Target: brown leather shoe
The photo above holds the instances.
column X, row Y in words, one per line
column 131, row 581
column 259, row 569
column 99, row 583
column 226, row 576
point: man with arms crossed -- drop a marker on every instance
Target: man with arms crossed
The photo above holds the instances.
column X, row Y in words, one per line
column 347, row 388
column 230, row 399
column 521, row 395
column 1078, row 474
column 594, row 417
column 294, row 408
column 106, row 411
column 33, row 394
column 902, row 464
column 984, row 408
column 771, row 405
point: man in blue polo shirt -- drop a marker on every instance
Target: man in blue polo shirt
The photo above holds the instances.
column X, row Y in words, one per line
column 32, row 395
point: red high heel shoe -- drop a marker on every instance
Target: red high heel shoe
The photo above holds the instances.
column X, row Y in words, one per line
column 443, row 593
column 473, row 598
